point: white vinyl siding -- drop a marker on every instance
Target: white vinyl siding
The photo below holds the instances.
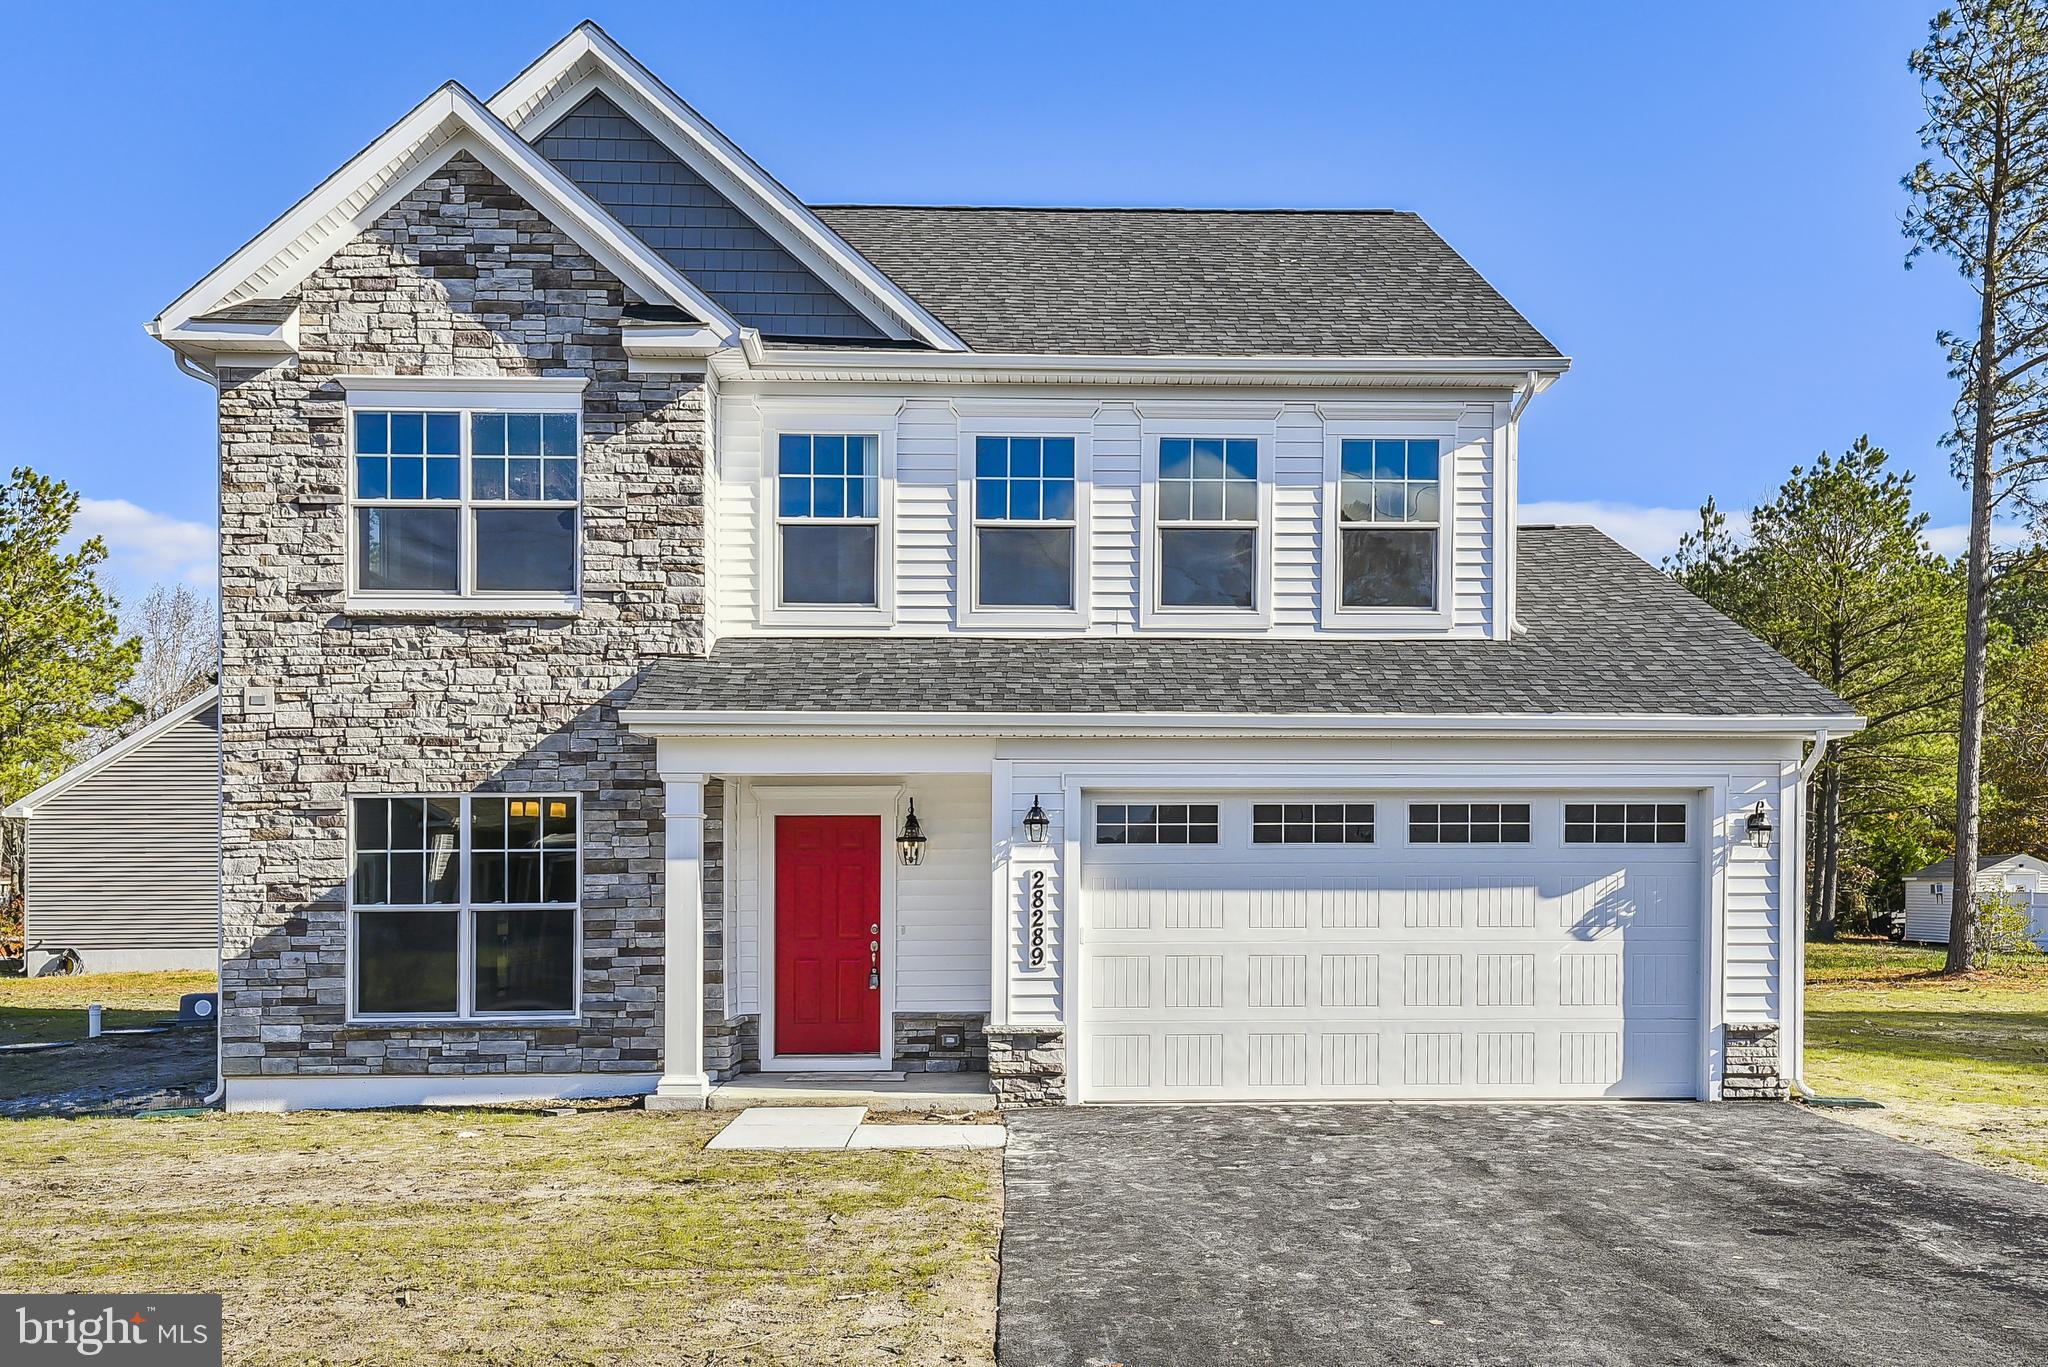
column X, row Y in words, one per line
column 128, row 858
column 941, row 947
column 924, row 559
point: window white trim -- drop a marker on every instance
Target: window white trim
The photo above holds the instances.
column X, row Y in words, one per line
column 1198, row 420
column 832, row 418
column 1021, row 420
column 437, row 395
column 1330, row 588
column 465, row 934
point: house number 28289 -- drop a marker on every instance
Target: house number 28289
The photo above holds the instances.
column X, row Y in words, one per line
column 1035, row 901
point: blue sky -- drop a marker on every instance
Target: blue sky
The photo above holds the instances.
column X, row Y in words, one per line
column 1699, row 204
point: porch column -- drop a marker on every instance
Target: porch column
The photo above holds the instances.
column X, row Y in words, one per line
column 683, row 1084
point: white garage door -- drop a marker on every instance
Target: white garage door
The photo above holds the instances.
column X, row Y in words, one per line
column 1439, row 946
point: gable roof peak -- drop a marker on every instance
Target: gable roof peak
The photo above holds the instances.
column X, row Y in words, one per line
column 450, row 121
column 588, row 58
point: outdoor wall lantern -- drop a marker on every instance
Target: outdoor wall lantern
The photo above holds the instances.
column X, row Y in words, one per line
column 1037, row 825
column 1760, row 827
column 910, row 842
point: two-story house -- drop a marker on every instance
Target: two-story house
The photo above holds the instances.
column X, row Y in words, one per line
column 670, row 630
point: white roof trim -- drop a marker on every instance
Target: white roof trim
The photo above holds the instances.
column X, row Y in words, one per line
column 753, row 360
column 449, row 121
column 682, row 721
column 115, row 753
column 588, row 58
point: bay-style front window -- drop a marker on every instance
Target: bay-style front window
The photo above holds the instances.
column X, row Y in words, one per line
column 1024, row 522
column 828, row 518
column 1390, row 515
column 464, row 907
column 464, row 503
column 1208, row 504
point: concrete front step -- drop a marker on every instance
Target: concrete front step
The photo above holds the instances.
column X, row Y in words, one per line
column 950, row 1093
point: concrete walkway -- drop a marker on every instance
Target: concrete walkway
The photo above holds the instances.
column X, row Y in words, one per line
column 1617, row 1234
column 843, row 1127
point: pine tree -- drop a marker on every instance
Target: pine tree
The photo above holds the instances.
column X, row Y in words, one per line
column 1836, row 574
column 63, row 659
column 1982, row 199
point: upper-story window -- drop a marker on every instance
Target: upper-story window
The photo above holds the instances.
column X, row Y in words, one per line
column 828, row 515
column 1390, row 521
column 465, row 503
column 1024, row 522
column 1208, row 522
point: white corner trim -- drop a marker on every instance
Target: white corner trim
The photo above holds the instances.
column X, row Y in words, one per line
column 449, row 121
column 115, row 753
column 588, row 58
column 278, row 1094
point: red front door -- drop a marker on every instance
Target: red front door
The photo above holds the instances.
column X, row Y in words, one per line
column 828, row 933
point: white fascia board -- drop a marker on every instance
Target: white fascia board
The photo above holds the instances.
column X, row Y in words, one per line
column 449, row 121
column 756, row 361
column 657, row 348
column 589, row 57
column 114, row 753
column 663, row 721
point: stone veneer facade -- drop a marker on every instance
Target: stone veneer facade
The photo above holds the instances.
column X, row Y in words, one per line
column 1027, row 1065
column 1751, row 1068
column 461, row 278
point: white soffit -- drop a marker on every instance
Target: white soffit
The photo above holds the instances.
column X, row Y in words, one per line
column 448, row 122
column 589, row 59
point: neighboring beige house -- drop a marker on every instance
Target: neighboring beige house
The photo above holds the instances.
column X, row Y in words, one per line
column 123, row 851
column 1930, row 894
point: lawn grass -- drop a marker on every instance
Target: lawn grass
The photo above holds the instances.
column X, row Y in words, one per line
column 512, row 1236
column 41, row 1010
column 1959, row 1064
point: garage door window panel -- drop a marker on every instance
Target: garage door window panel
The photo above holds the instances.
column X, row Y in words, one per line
column 1161, row 823
column 1312, row 823
column 1624, row 823
column 1468, row 823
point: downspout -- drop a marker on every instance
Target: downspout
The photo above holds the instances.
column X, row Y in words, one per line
column 220, row 1074
column 1511, row 475
column 1795, row 880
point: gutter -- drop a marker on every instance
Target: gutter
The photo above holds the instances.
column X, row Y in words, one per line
column 681, row 721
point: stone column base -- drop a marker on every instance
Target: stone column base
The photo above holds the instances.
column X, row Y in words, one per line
column 1750, row 1059
column 1027, row 1065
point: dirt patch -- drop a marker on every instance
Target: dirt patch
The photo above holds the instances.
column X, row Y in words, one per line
column 115, row 1074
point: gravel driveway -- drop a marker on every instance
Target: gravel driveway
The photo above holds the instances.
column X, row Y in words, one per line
column 1653, row 1233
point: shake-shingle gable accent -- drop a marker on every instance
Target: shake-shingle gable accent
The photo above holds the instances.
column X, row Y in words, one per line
column 693, row 227
column 1605, row 636
column 1176, row 282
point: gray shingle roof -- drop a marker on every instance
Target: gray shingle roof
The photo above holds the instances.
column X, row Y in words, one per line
column 1606, row 634
column 1153, row 282
column 1946, row 869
